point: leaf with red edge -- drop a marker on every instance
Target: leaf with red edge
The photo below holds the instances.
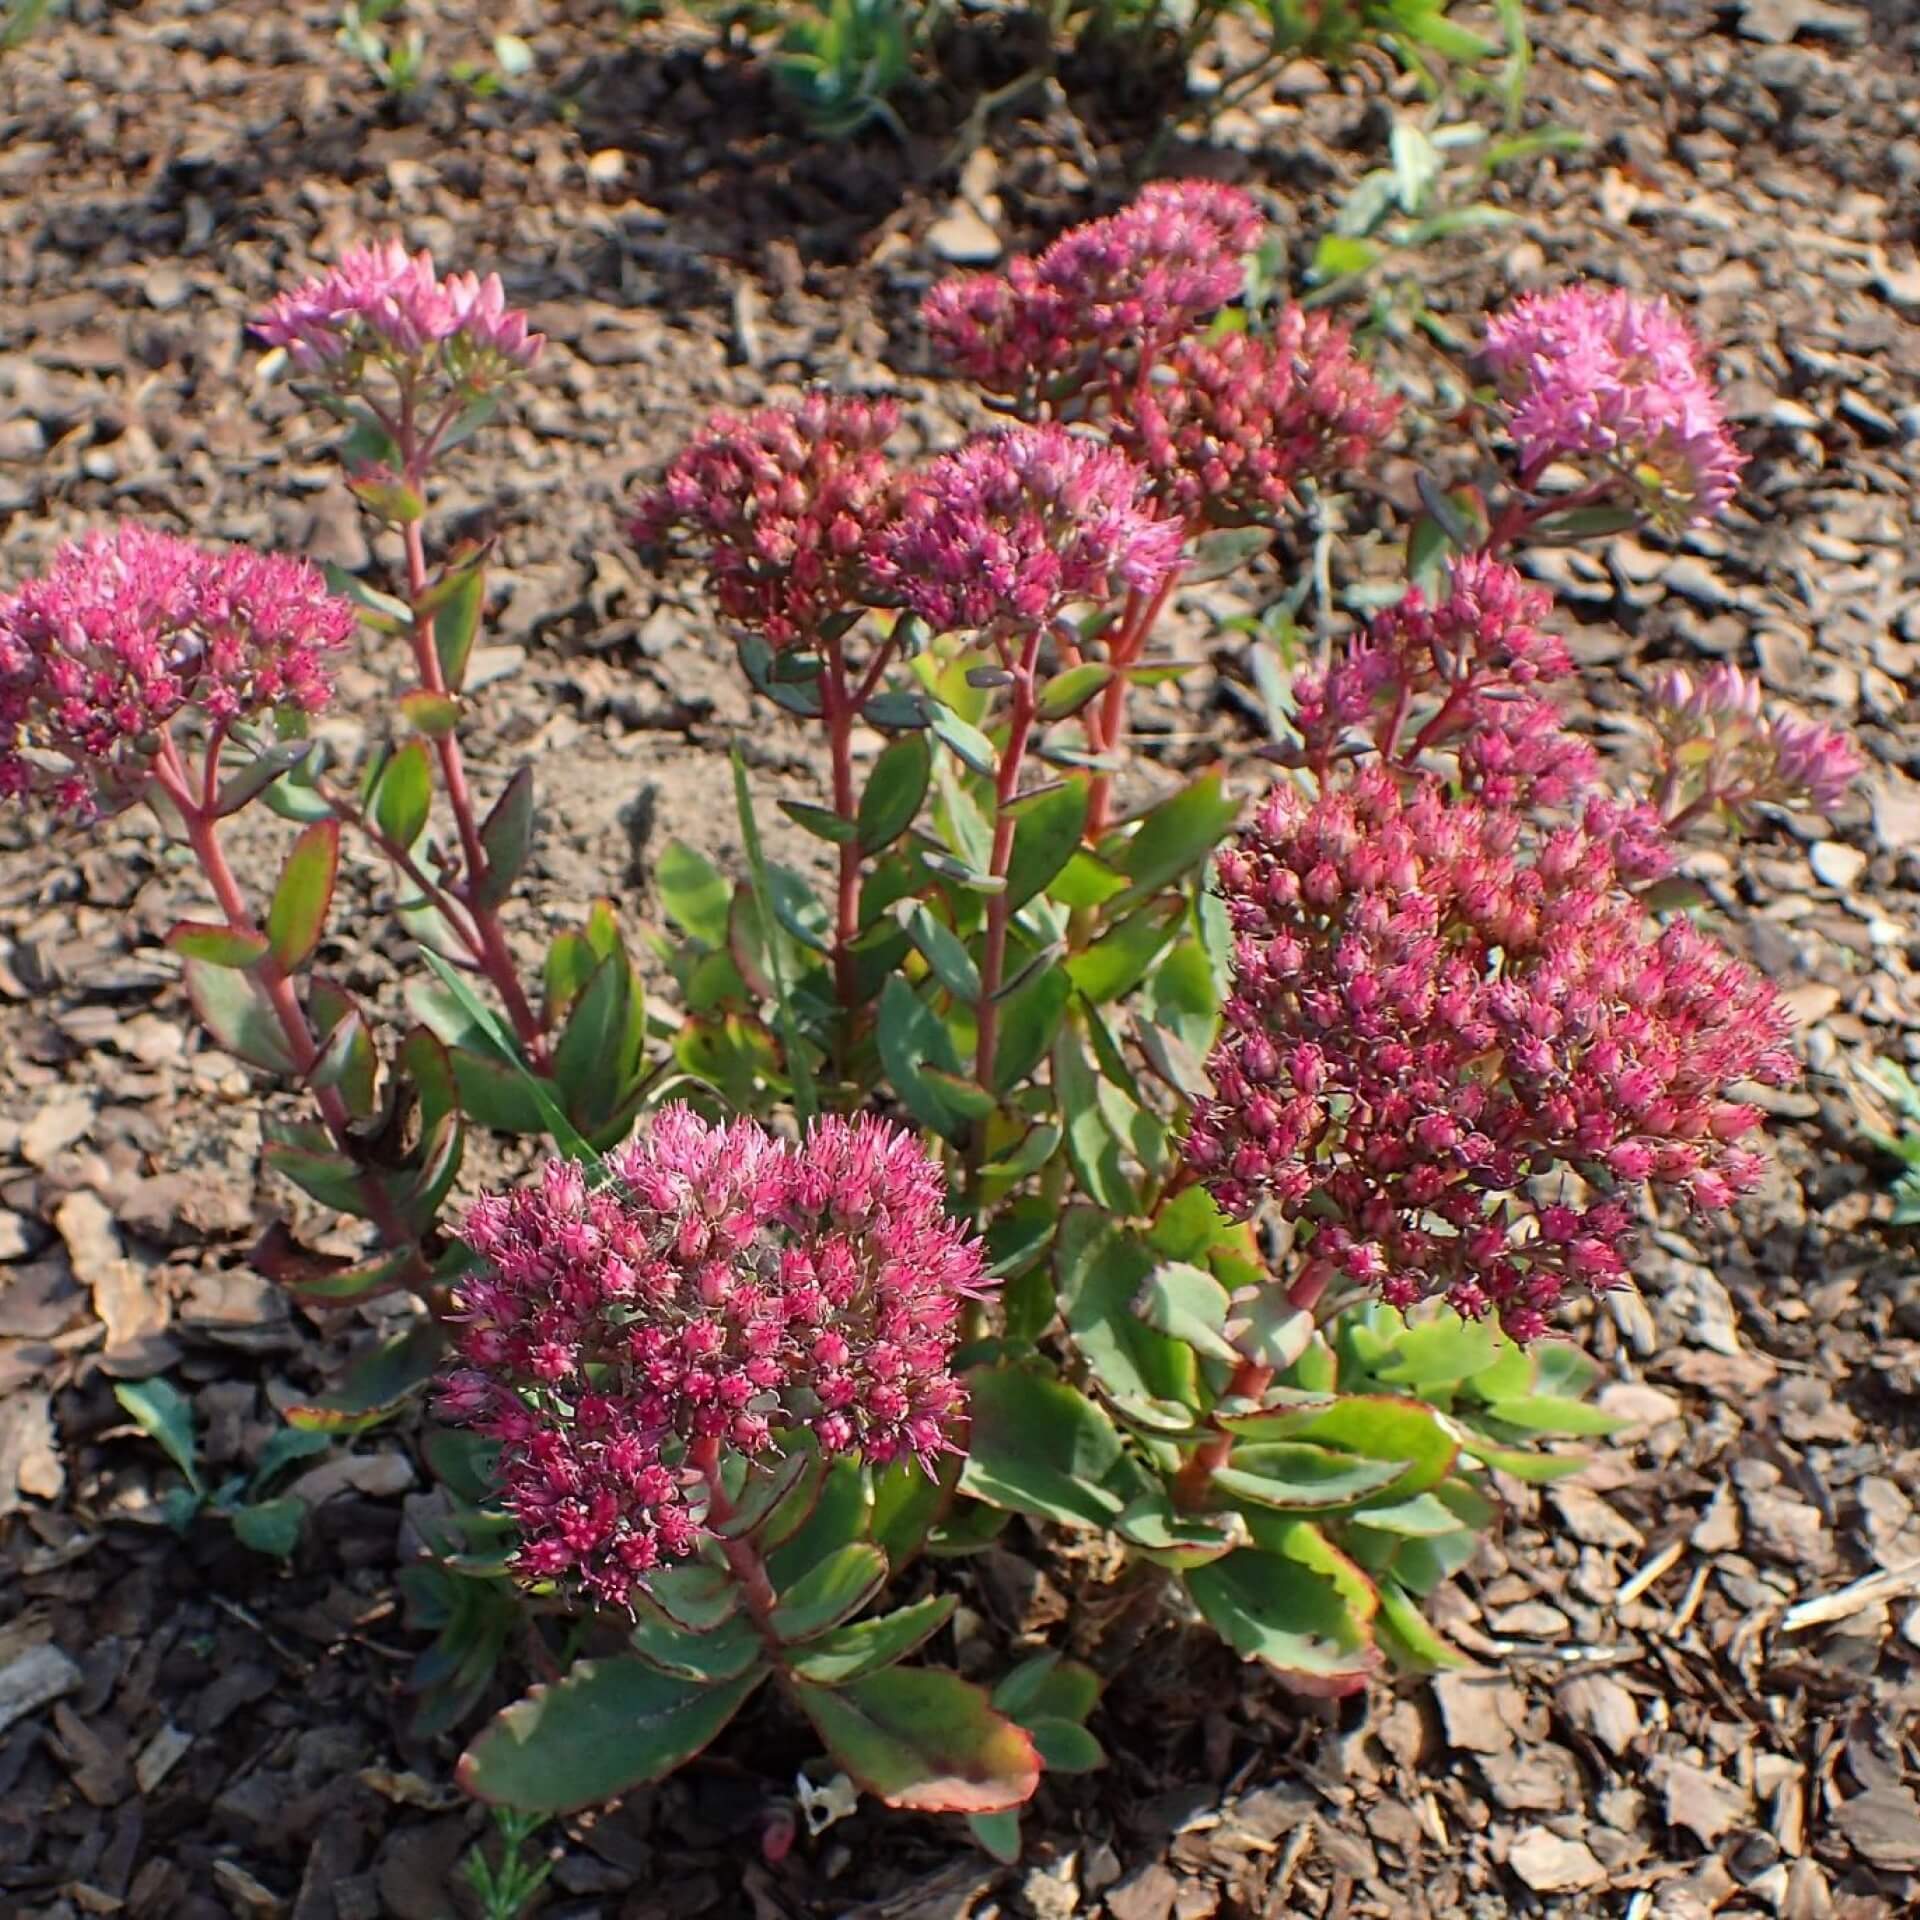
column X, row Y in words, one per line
column 298, row 912
column 235, row 947
column 234, row 1008
column 925, row 1739
column 608, row 1727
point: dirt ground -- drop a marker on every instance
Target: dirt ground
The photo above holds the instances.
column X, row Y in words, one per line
column 1701, row 1659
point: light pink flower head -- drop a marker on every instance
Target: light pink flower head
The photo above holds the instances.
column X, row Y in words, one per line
column 1725, row 747
column 1237, row 423
column 1455, row 1051
column 780, row 507
column 725, row 1287
column 1016, row 525
column 1598, row 376
column 1125, row 285
column 383, row 303
column 125, row 629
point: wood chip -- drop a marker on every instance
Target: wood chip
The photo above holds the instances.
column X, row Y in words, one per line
column 1549, row 1864
column 132, row 1308
column 1482, row 1713
column 27, row 1684
column 1599, row 1705
column 160, row 1756
column 1705, row 1803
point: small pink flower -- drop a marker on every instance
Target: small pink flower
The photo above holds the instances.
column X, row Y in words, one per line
column 383, row 302
column 1015, row 526
column 1437, row 1014
column 723, row 1287
column 1235, row 424
column 1594, row 375
column 1724, row 747
column 1130, row 283
column 125, row 629
column 780, row 507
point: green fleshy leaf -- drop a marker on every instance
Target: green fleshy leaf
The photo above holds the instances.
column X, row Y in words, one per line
column 1439, row 1352
column 163, row 1413
column 1177, row 836
column 1294, row 1476
column 298, row 912
column 711, row 1655
column 456, row 622
column 435, row 715
column 838, row 1515
column 506, row 837
column 965, row 742
column 1375, row 1426
column 822, row 822
column 402, row 796
column 235, row 1010
column 1156, row 1531
column 608, row 1727
column 1045, row 838
column 1029, row 1022
column 870, row 1646
column 945, row 953
column 1101, row 1269
column 378, row 1384
column 894, row 792
column 920, row 1738
column 1042, row 1447
column 1187, row 1303
column 692, row 1594
column 1409, row 1637
column 1307, row 1625
column 235, row 947
column 272, row 763
column 1549, row 1413
column 271, row 1526
column 999, row 1833
column 1117, row 962
column 1217, row 554
column 693, row 893
column 830, row 1592
column 911, row 1037
column 1066, row 693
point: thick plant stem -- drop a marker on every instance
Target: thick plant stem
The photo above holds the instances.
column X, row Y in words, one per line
column 496, row 961
column 203, row 837
column 993, row 961
column 743, row 1557
column 1250, row 1380
column 1108, row 716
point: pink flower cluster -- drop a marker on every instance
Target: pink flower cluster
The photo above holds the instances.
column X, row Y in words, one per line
column 125, row 629
column 1724, row 749
column 1595, row 374
column 1461, row 675
column 1129, row 284
column 383, row 302
column 1427, row 1026
column 723, row 1286
column 1237, row 423
column 1015, row 526
column 780, row 507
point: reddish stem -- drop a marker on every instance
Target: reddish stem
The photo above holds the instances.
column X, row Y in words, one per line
column 496, row 960
column 743, row 1557
column 1006, row 786
column 1107, row 719
column 203, row 837
column 1190, row 1490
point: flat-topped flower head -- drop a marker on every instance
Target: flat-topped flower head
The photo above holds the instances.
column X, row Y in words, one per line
column 1017, row 525
column 1462, row 675
column 722, row 1288
column 780, row 507
column 1725, row 748
column 1615, row 384
column 1124, row 286
column 1229, row 428
column 1455, row 1053
column 383, row 304
column 125, row 630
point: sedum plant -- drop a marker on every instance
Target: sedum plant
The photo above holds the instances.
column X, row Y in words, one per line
column 1200, row 1165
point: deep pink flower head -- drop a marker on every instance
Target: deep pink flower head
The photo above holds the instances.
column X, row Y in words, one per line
column 125, row 629
column 1427, row 1026
column 1725, row 749
column 1461, row 675
column 1600, row 377
column 383, row 303
column 1015, row 525
column 780, row 508
column 1128, row 284
column 724, row 1287
column 1235, row 424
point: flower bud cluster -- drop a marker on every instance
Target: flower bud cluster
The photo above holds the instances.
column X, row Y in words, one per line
column 1455, row 1048
column 125, row 629
column 724, row 1286
column 1461, row 674
column 1723, row 748
column 1129, row 284
column 386, row 305
column 1229, row 428
column 1600, row 377
column 1016, row 525
column 780, row 507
